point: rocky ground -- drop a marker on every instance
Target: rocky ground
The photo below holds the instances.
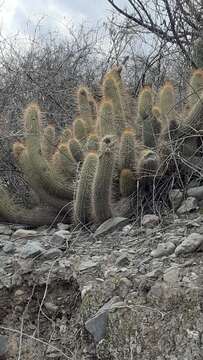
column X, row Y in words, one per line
column 123, row 292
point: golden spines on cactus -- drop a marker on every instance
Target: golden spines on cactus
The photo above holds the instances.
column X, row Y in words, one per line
column 92, row 143
column 76, row 150
column 106, row 121
column 80, row 130
column 102, row 184
column 167, row 101
column 111, row 92
column 127, row 150
column 195, row 86
column 48, row 141
column 66, row 135
column 83, row 200
column 145, row 102
column 84, row 107
column 127, row 182
column 93, row 108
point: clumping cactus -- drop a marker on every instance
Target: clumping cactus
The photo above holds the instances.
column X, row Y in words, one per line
column 127, row 182
column 80, row 130
column 102, row 184
column 92, row 143
column 145, row 102
column 48, row 142
column 51, row 181
column 106, row 121
column 76, row 150
column 93, row 107
column 82, row 205
column 85, row 107
column 127, row 150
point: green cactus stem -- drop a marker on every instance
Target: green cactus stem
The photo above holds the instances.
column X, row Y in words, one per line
column 48, row 142
column 127, row 150
column 127, row 182
column 195, row 86
column 84, row 107
column 92, row 143
column 102, row 184
column 82, row 206
column 76, row 150
column 106, row 122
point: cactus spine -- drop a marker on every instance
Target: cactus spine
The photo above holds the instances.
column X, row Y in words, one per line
column 127, row 182
column 85, row 107
column 65, row 136
column 80, row 130
column 127, row 150
column 106, row 119
column 101, row 198
column 112, row 93
column 82, row 207
column 48, row 142
column 195, row 86
column 167, row 102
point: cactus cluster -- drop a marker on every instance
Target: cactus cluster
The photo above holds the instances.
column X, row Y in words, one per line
column 108, row 151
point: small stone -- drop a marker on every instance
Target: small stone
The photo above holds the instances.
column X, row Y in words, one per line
column 163, row 249
column 52, row 253
column 123, row 261
column 87, row 265
column 62, row 226
column 150, row 220
column 32, row 249
column 176, row 197
column 171, row 275
column 60, row 237
column 9, row 248
column 192, row 243
column 51, row 307
column 188, row 205
column 23, row 233
column 3, row 346
column 110, row 225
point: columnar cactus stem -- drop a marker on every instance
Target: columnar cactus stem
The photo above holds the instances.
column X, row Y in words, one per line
column 127, row 151
column 167, row 102
column 195, row 86
column 48, row 142
column 80, row 130
column 101, row 198
column 106, row 121
column 127, row 182
column 112, row 93
column 82, row 207
column 85, row 107
column 148, row 164
column 65, row 136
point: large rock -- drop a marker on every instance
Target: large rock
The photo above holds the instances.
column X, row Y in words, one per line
column 110, row 225
column 3, row 347
column 192, row 243
column 60, row 237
